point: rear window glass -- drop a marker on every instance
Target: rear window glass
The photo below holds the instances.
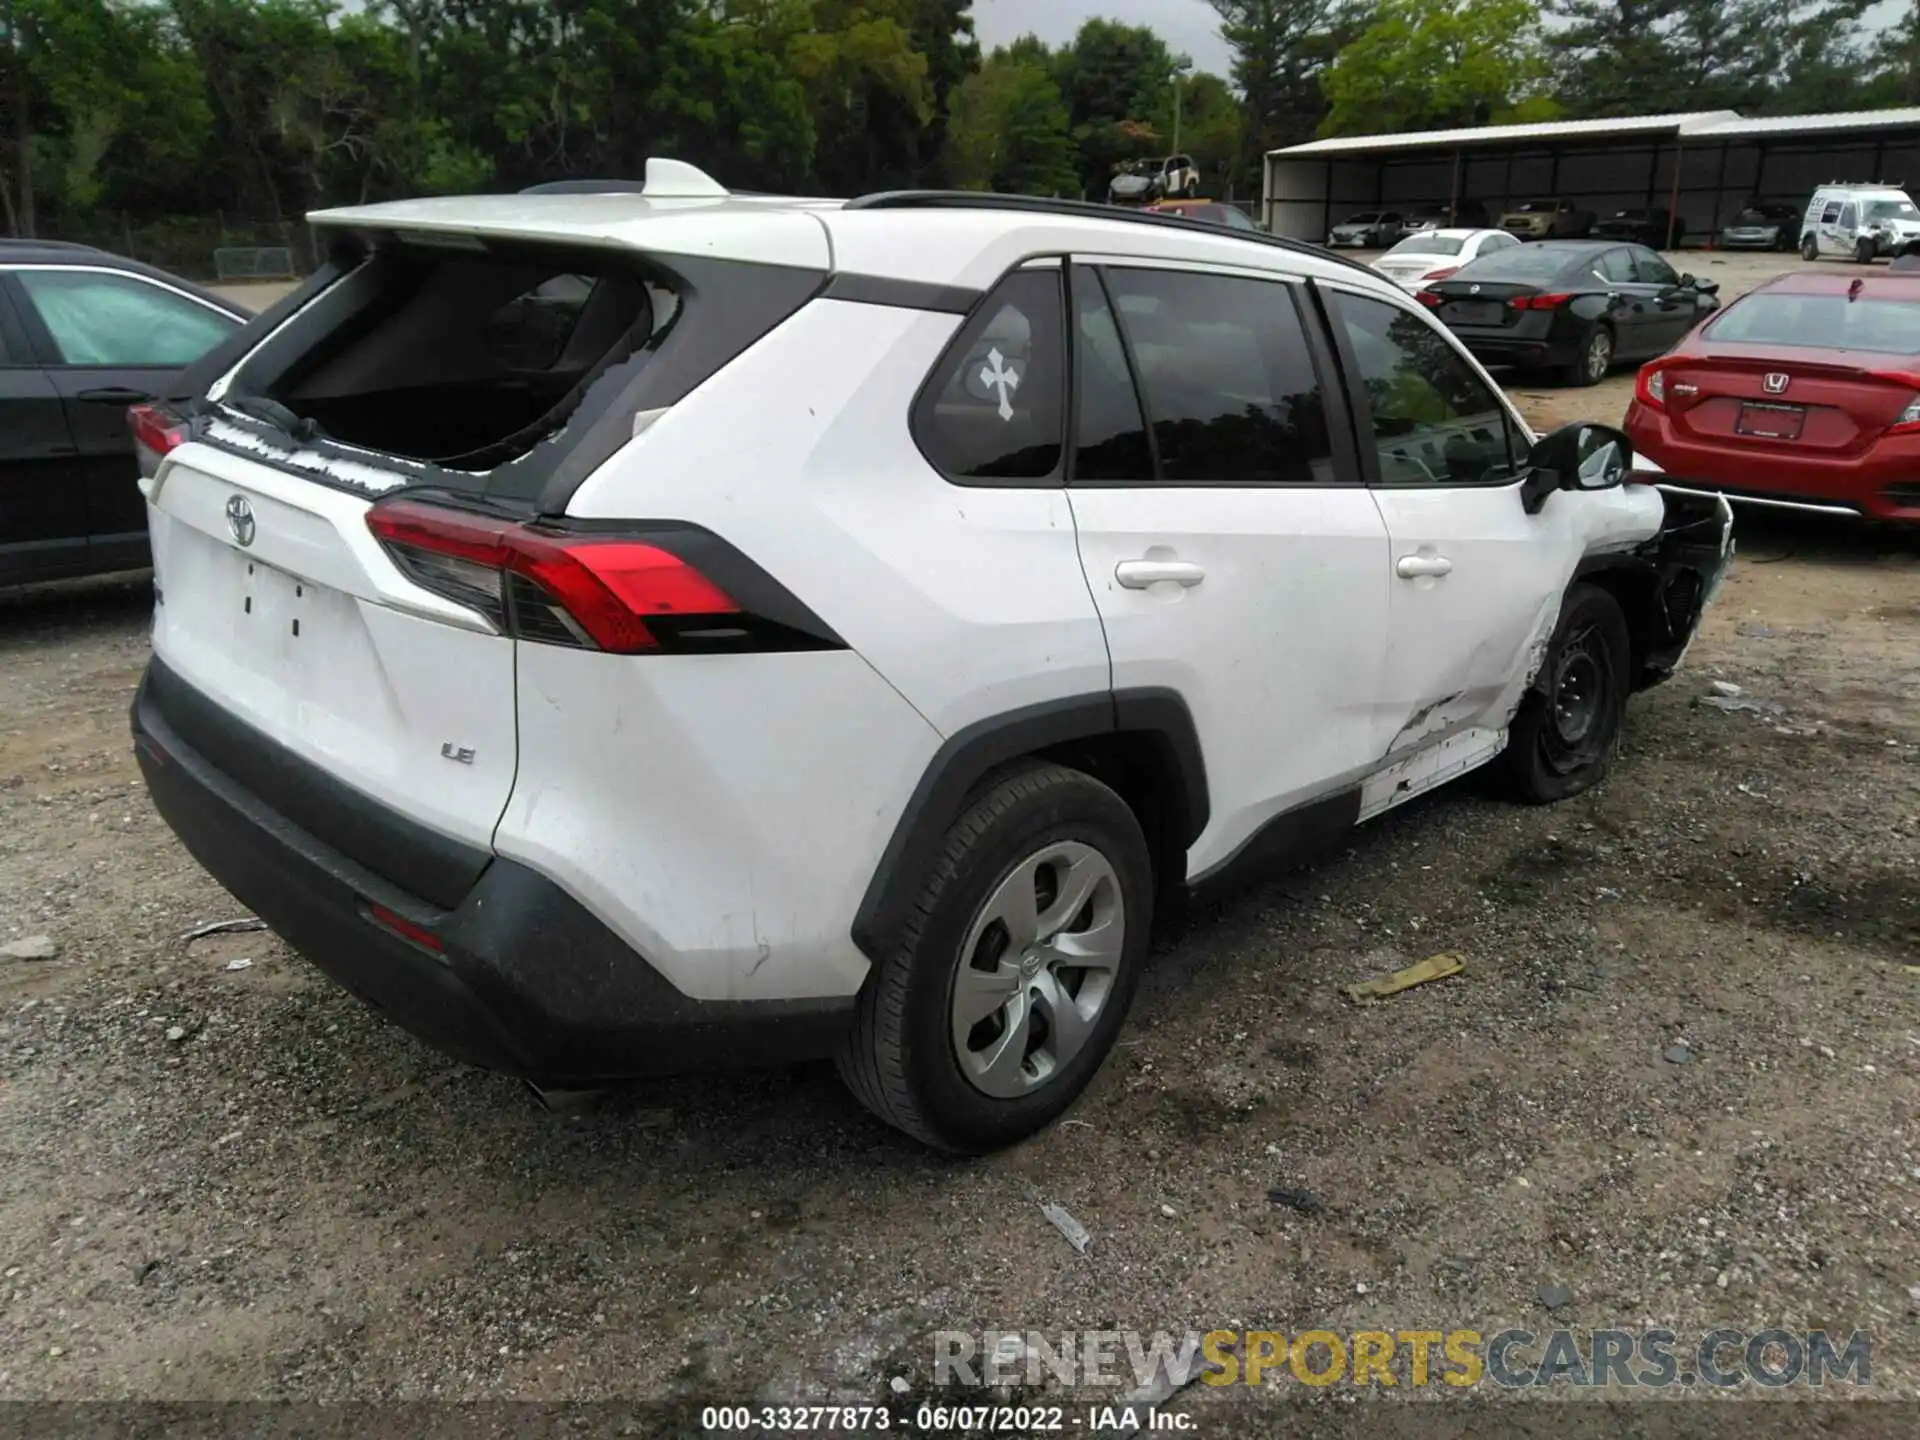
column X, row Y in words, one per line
column 1521, row 262
column 1428, row 245
column 1887, row 326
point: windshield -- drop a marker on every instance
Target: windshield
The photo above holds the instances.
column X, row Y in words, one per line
column 1892, row 210
column 1516, row 262
column 1428, row 245
column 1889, row 327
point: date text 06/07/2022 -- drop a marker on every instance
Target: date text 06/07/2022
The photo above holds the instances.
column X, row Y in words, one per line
column 943, row 1419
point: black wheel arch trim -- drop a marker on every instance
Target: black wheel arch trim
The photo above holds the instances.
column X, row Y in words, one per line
column 975, row 752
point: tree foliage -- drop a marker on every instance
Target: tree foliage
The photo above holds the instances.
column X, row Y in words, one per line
column 1428, row 64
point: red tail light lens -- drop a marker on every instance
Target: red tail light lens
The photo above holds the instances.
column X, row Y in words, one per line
column 1650, row 386
column 648, row 591
column 406, row 929
column 1908, row 421
column 1428, row 298
column 1443, row 274
column 156, row 428
column 1539, row 302
column 598, row 591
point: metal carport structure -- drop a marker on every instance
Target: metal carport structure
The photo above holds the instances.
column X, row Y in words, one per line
column 1702, row 165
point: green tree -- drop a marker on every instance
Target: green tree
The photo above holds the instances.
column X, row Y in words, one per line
column 1115, row 78
column 1280, row 48
column 1428, row 64
column 1009, row 131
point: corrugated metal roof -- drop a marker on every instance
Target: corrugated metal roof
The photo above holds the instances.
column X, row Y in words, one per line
column 1477, row 135
column 1700, row 124
column 1906, row 118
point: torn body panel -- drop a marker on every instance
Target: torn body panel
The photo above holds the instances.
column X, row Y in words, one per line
column 1665, row 585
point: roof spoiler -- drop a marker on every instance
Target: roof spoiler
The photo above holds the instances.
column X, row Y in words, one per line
column 666, row 180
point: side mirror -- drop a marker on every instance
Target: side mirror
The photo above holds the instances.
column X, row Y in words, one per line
column 1687, row 282
column 1580, row 456
column 1708, row 287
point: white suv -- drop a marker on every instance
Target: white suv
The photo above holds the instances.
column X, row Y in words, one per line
column 621, row 632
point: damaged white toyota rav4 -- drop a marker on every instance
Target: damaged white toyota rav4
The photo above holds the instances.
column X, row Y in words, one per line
column 651, row 629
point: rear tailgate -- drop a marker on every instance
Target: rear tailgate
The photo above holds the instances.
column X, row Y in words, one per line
column 1832, row 407
column 275, row 601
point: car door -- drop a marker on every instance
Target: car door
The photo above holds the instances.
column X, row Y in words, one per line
column 43, row 505
column 111, row 339
column 1630, row 307
column 1673, row 310
column 1475, row 580
column 1846, row 228
column 1230, row 543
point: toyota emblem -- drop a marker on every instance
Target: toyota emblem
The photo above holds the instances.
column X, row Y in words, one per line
column 240, row 519
column 1776, row 383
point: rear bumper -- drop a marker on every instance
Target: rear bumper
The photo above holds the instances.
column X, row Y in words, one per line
column 1884, row 484
column 1493, row 347
column 526, row 980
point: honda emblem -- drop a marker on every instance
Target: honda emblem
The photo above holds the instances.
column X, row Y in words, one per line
column 1776, row 383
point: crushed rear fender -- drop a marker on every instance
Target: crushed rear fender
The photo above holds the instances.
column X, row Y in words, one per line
column 1666, row 583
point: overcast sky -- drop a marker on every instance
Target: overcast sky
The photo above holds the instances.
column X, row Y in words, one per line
column 1189, row 26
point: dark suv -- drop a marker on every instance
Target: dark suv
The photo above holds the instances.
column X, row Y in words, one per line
column 83, row 336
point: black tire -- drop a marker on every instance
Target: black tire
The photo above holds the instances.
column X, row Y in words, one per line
column 1809, row 248
column 1568, row 727
column 901, row 1059
column 1595, row 357
column 1863, row 252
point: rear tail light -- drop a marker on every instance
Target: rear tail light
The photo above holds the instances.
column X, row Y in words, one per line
column 156, row 430
column 1650, row 388
column 1539, row 302
column 628, row 594
column 1427, row 297
column 1909, row 419
column 1443, row 274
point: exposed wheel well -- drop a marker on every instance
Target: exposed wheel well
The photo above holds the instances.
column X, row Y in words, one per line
column 1636, row 589
column 1142, row 769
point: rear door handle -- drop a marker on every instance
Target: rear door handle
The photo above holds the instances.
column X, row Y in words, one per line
column 115, row 395
column 1412, row 567
column 1139, row 574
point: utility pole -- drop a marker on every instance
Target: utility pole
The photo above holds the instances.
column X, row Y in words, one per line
column 1181, row 65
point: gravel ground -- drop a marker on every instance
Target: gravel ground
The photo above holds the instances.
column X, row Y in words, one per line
column 1678, row 1077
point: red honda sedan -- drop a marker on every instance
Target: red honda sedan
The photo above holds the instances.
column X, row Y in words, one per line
column 1804, row 393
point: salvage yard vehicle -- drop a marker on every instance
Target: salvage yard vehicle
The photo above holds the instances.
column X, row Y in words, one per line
column 1858, row 222
column 1763, row 226
column 1655, row 229
column 1369, row 230
column 840, row 628
column 1802, row 394
column 1435, row 254
column 1571, row 306
column 1140, row 181
column 83, row 335
column 1546, row 220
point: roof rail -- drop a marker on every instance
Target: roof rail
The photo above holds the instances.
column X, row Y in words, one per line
column 666, row 180
column 1087, row 210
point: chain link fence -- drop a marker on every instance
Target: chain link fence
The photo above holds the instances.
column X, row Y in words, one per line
column 198, row 247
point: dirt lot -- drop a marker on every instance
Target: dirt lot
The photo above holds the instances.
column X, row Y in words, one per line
column 226, row 1183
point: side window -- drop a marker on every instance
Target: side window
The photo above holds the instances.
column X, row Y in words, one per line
column 1435, row 421
column 1831, row 214
column 1615, row 267
column 97, row 317
column 530, row 332
column 1111, row 437
column 994, row 405
column 1229, row 383
column 1846, row 216
column 1652, row 270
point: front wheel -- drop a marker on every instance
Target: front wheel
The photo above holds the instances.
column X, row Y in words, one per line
column 1014, row 968
column 1564, row 736
column 1863, row 252
column 1809, row 248
column 1595, row 358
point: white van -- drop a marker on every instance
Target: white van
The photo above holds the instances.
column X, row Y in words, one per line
column 1858, row 222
